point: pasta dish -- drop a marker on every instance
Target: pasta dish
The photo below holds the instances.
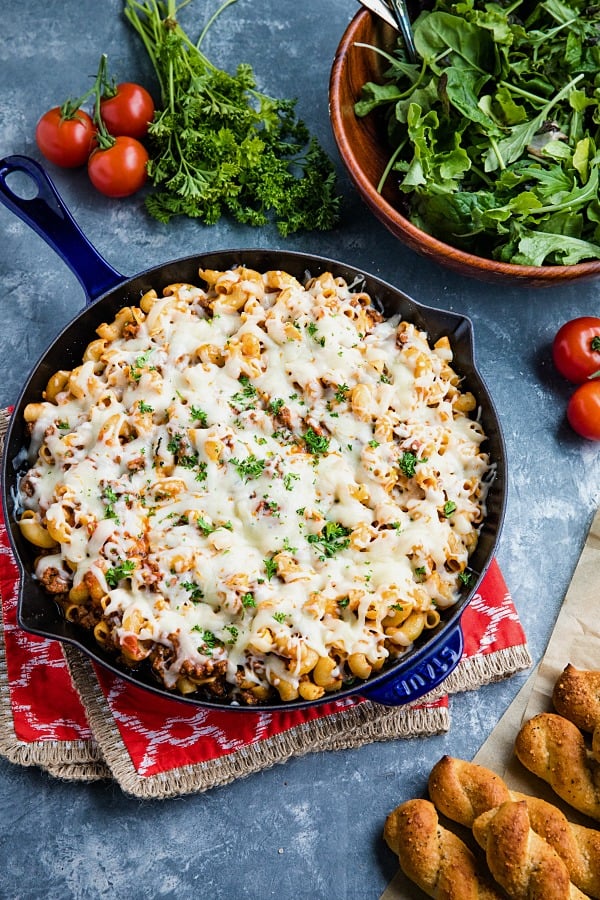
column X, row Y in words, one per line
column 260, row 489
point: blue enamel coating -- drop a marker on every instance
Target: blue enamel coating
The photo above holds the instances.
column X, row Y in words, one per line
column 49, row 217
column 422, row 677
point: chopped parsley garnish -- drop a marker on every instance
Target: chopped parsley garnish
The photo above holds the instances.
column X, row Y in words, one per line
column 466, row 577
column 198, row 415
column 314, row 333
column 110, row 498
column 373, row 444
column 188, row 462
column 332, row 538
column 209, row 640
column 244, row 399
column 248, row 600
column 139, row 363
column 116, row 573
column 449, row 508
column 408, row 463
column 270, row 567
column 145, row 407
column 316, row 444
column 288, row 480
column 204, row 526
column 249, row 468
column 274, row 405
column 233, row 632
column 201, row 473
column 341, row 393
column 279, row 617
column 195, row 591
column 63, row 426
column 175, row 443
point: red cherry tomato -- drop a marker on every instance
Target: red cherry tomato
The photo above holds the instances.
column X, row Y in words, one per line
column 65, row 140
column 576, row 348
column 119, row 170
column 129, row 112
column 583, row 410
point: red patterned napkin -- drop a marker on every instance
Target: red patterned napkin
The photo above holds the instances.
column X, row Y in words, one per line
column 77, row 720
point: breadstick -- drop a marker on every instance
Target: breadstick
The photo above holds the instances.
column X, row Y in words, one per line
column 519, row 859
column 462, row 791
column 433, row 857
column 576, row 696
column 554, row 749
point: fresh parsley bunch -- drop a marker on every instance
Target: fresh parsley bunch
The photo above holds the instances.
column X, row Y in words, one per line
column 218, row 145
column 495, row 132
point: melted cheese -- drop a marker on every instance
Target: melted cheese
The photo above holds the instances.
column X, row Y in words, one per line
column 251, row 481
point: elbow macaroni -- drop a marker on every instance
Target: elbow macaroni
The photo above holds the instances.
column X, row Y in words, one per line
column 260, row 489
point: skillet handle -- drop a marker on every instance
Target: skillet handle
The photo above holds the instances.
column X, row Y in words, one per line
column 49, row 217
column 426, row 675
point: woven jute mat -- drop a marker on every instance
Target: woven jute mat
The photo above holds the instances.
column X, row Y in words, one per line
column 78, row 721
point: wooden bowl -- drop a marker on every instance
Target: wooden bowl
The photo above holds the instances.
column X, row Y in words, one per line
column 362, row 146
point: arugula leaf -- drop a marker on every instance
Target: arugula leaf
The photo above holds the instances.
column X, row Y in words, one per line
column 535, row 246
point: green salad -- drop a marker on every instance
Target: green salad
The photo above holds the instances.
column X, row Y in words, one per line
column 494, row 133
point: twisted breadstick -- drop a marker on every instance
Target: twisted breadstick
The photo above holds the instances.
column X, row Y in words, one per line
column 576, row 696
column 434, row 858
column 519, row 859
column 553, row 748
column 463, row 791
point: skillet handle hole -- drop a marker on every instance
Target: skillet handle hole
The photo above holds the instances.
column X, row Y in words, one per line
column 22, row 185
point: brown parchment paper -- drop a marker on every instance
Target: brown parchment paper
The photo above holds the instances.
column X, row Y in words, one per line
column 575, row 639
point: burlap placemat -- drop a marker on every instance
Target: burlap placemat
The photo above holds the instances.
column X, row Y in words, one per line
column 79, row 721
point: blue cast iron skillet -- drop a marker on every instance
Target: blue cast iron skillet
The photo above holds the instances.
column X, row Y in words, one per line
column 437, row 653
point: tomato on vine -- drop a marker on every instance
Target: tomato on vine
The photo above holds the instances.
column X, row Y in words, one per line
column 583, row 410
column 117, row 167
column 65, row 135
column 127, row 109
column 576, row 348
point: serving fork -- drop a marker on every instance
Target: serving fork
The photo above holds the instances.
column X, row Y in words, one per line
column 395, row 13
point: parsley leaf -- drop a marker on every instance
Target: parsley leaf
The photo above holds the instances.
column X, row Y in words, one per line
column 317, row 444
column 198, row 415
column 332, row 538
column 219, row 146
column 195, row 591
column 408, row 463
column 244, row 399
column 249, row 468
column 110, row 498
column 270, row 567
column 116, row 573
